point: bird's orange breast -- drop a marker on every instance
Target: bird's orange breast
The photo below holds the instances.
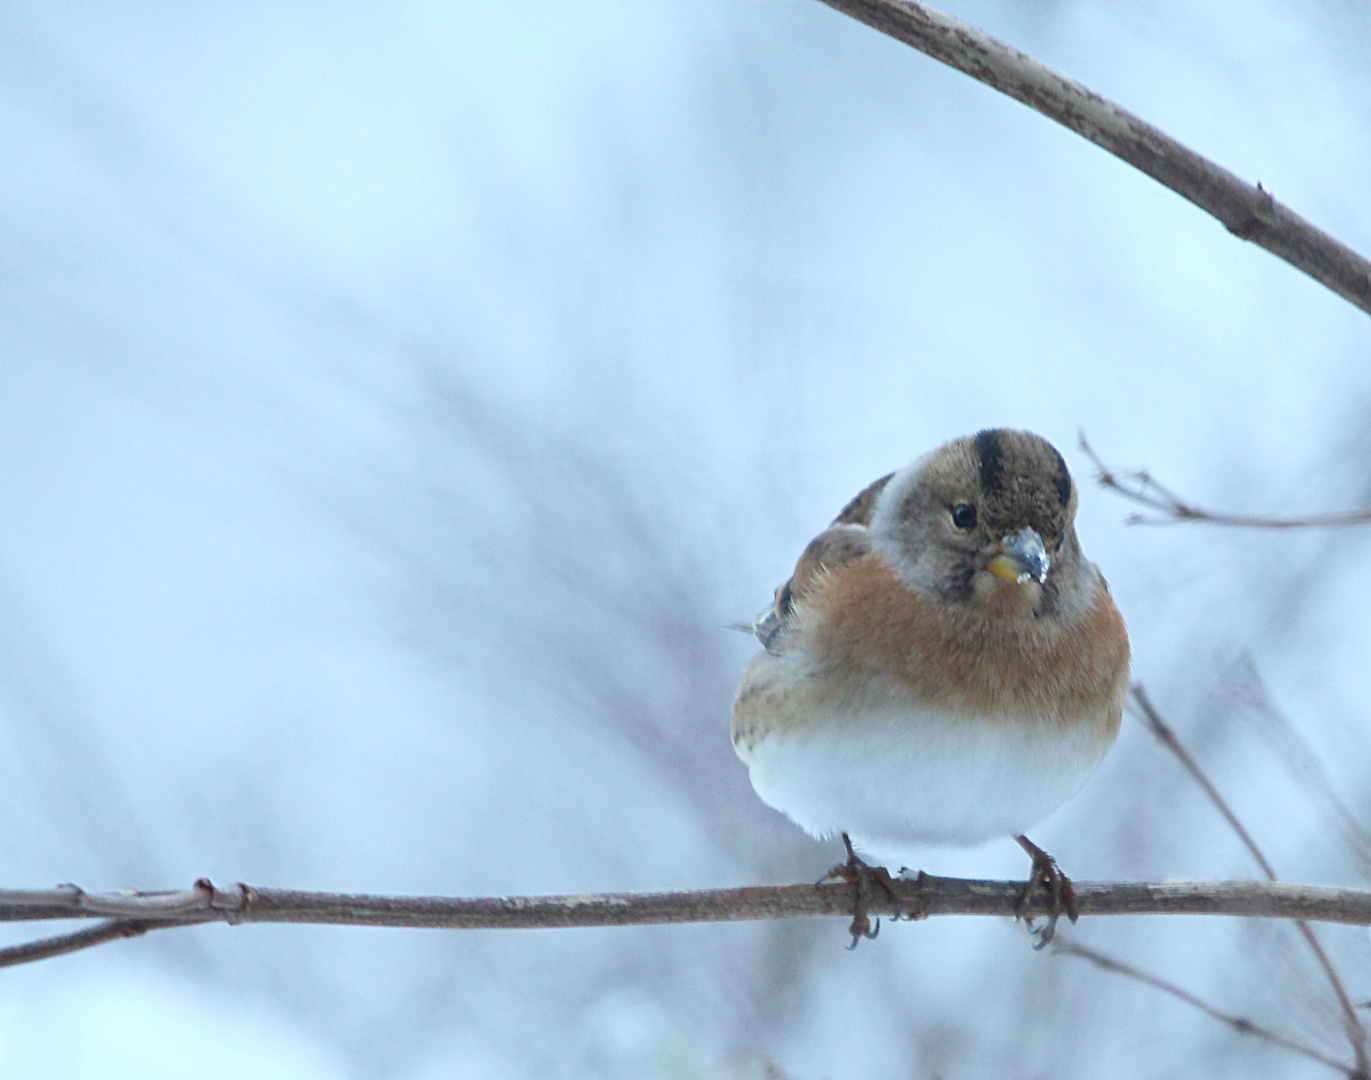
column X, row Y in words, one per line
column 865, row 632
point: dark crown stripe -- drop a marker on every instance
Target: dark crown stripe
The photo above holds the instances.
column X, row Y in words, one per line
column 992, row 459
column 1063, row 479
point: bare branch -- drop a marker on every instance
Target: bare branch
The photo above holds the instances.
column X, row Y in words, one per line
column 920, row 897
column 1243, row 686
column 1356, row 1034
column 1248, row 212
column 1237, row 1023
column 46, row 948
column 1139, row 486
column 1144, row 710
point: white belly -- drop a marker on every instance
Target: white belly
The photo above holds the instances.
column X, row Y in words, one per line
column 898, row 781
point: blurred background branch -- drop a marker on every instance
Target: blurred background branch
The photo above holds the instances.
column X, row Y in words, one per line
column 1139, row 486
column 1242, row 1025
column 1142, row 707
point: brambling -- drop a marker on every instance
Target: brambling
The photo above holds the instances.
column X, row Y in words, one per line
column 944, row 666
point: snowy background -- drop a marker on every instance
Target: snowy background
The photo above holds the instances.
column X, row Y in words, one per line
column 396, row 401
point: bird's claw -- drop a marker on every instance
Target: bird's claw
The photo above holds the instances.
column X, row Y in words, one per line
column 862, row 875
column 863, row 929
column 1061, row 895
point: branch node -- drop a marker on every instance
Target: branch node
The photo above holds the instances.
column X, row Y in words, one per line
column 229, row 904
column 1260, row 214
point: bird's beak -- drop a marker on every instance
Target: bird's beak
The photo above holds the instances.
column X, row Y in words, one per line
column 1020, row 558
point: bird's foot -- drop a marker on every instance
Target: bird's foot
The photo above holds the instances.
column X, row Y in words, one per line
column 1061, row 896
column 862, row 875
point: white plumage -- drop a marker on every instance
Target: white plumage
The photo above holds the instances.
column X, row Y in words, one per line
column 897, row 781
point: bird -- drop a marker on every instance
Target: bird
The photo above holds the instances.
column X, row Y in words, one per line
column 943, row 668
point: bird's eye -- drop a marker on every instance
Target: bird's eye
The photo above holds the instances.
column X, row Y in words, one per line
column 964, row 516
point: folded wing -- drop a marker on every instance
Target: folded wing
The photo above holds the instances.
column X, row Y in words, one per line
column 846, row 539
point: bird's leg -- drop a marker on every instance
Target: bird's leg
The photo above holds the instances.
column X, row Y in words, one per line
column 1059, row 890
column 862, row 875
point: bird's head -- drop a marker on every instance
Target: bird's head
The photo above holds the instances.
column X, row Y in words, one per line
column 987, row 523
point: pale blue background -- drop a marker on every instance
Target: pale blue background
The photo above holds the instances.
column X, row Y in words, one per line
column 396, row 400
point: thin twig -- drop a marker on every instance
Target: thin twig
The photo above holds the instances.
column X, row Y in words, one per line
column 1248, row 212
column 1147, row 713
column 1139, row 486
column 1237, row 1023
column 1243, row 686
column 46, row 948
column 1356, row 1034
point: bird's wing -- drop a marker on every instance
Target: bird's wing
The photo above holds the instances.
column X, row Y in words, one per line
column 844, row 540
column 858, row 511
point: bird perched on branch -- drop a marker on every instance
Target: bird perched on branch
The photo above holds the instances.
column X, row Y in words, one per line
column 944, row 666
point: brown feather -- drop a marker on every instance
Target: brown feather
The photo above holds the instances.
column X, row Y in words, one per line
column 866, row 630
column 858, row 510
column 844, row 540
